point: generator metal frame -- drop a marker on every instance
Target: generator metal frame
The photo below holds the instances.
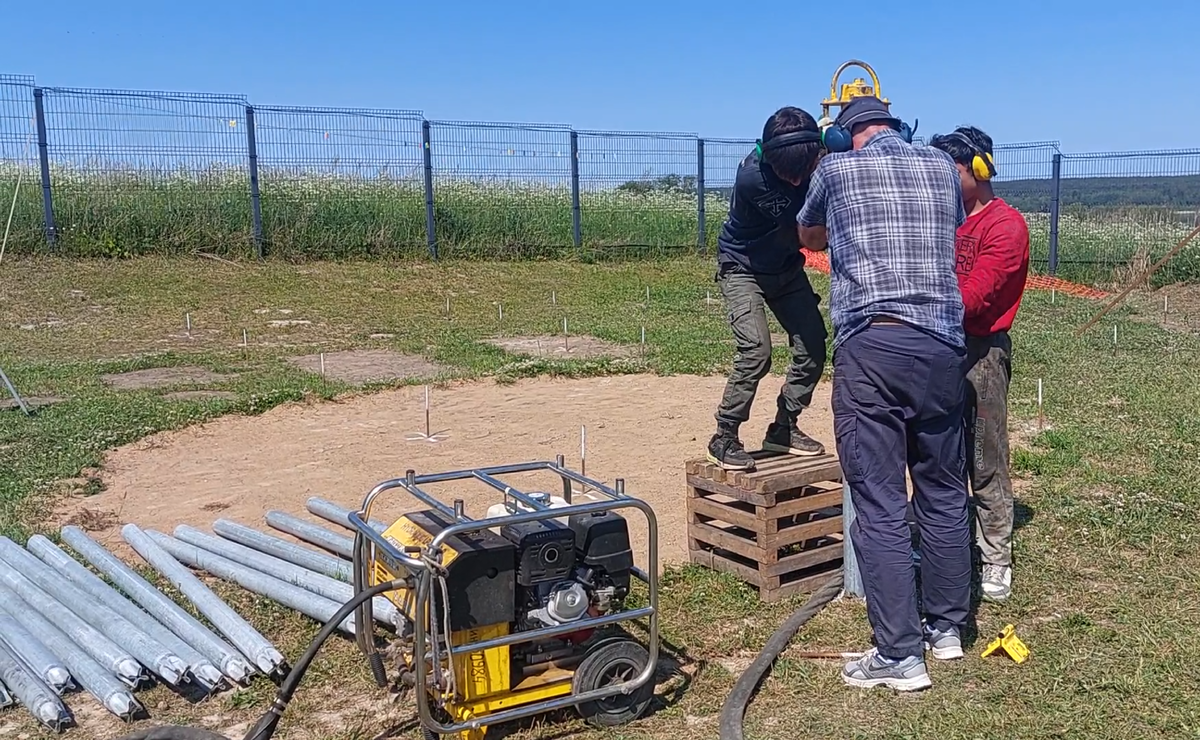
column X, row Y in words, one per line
column 369, row 544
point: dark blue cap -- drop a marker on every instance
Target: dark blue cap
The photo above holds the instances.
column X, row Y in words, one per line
column 865, row 110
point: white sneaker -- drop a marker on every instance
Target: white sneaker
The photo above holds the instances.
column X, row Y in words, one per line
column 997, row 582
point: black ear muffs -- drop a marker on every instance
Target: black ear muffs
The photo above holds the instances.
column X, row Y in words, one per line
column 838, row 138
column 786, row 140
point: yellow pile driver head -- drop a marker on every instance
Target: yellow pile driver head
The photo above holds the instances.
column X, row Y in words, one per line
column 856, row 89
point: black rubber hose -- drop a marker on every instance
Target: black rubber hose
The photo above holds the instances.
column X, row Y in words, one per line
column 264, row 729
column 733, row 713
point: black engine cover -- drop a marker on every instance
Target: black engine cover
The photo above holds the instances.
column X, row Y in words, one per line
column 545, row 551
column 602, row 540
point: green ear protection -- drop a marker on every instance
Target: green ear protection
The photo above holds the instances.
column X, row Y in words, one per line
column 786, row 140
column 982, row 165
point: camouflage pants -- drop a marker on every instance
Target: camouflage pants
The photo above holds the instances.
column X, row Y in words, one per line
column 791, row 298
column 986, row 415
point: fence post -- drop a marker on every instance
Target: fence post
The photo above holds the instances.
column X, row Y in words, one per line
column 576, row 211
column 701, row 234
column 1054, row 208
column 255, row 199
column 430, row 227
column 44, row 163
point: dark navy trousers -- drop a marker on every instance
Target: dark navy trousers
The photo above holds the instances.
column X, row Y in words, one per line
column 898, row 398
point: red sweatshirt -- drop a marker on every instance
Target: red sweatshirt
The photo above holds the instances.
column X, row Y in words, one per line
column 992, row 263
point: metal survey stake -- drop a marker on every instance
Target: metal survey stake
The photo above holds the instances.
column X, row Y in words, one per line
column 501, row 307
column 188, row 320
column 322, row 364
column 566, row 336
column 426, row 411
column 1114, row 334
column 245, row 338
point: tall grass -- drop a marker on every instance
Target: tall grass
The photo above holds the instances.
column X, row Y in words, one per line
column 117, row 213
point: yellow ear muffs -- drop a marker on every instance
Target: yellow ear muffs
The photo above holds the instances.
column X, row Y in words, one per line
column 982, row 165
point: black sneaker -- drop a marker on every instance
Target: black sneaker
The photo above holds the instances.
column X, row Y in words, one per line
column 791, row 441
column 726, row 450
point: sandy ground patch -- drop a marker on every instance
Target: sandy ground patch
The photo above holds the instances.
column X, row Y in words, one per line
column 639, row 427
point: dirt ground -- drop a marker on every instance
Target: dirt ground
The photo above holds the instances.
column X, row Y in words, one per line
column 639, row 427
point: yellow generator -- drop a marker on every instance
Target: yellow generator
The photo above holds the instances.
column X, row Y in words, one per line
column 518, row 613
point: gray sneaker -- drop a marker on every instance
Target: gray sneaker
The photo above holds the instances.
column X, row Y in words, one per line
column 873, row 670
column 944, row 644
column 997, row 582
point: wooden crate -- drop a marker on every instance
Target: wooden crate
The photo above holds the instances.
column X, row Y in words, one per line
column 778, row 527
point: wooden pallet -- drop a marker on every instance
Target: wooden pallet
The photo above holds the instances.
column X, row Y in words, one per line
column 778, row 527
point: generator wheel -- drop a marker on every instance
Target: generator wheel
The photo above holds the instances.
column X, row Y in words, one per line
column 613, row 661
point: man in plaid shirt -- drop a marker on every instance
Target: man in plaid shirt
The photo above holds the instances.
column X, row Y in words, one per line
column 887, row 212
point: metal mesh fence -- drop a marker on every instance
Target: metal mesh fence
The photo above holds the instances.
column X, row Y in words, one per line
column 501, row 190
column 1122, row 212
column 638, row 191
column 20, row 182
column 340, row 182
column 160, row 171
column 165, row 172
column 721, row 160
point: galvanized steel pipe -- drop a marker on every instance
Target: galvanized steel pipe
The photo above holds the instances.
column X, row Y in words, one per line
column 291, row 596
column 284, row 550
column 87, row 672
column 321, row 585
column 123, row 633
column 206, row 675
column 30, row 651
column 91, row 640
column 32, row 692
column 238, row 631
column 312, row 534
column 166, row 611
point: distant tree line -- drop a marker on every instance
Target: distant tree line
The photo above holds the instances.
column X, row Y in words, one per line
column 1180, row 191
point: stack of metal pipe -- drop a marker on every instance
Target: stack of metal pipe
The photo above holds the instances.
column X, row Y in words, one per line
column 63, row 627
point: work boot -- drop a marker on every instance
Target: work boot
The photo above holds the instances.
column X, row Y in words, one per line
column 791, row 441
column 726, row 450
column 944, row 644
column 873, row 670
column 997, row 582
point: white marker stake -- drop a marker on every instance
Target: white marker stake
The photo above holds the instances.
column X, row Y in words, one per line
column 427, row 427
column 322, row 364
column 188, row 318
column 1053, row 293
column 1040, row 417
column 1114, row 335
column 583, row 454
column 553, row 298
column 447, row 306
column 245, row 338
column 643, row 341
column 566, row 337
column 501, row 307
column 647, row 295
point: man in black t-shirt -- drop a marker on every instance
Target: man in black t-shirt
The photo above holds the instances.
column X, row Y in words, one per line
column 760, row 266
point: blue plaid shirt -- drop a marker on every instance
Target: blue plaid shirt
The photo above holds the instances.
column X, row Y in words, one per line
column 891, row 211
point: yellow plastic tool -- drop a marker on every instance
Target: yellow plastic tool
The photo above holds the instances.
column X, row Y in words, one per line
column 1011, row 645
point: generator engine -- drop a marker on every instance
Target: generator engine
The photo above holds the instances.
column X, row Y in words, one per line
column 567, row 572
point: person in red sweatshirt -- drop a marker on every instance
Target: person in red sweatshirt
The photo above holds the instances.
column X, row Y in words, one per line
column 992, row 263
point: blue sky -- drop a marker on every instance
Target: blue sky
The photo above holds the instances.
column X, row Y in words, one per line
column 1096, row 80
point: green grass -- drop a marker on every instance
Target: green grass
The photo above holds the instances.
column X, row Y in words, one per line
column 121, row 214
column 1106, row 598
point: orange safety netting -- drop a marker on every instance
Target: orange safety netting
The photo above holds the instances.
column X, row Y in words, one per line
column 819, row 261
